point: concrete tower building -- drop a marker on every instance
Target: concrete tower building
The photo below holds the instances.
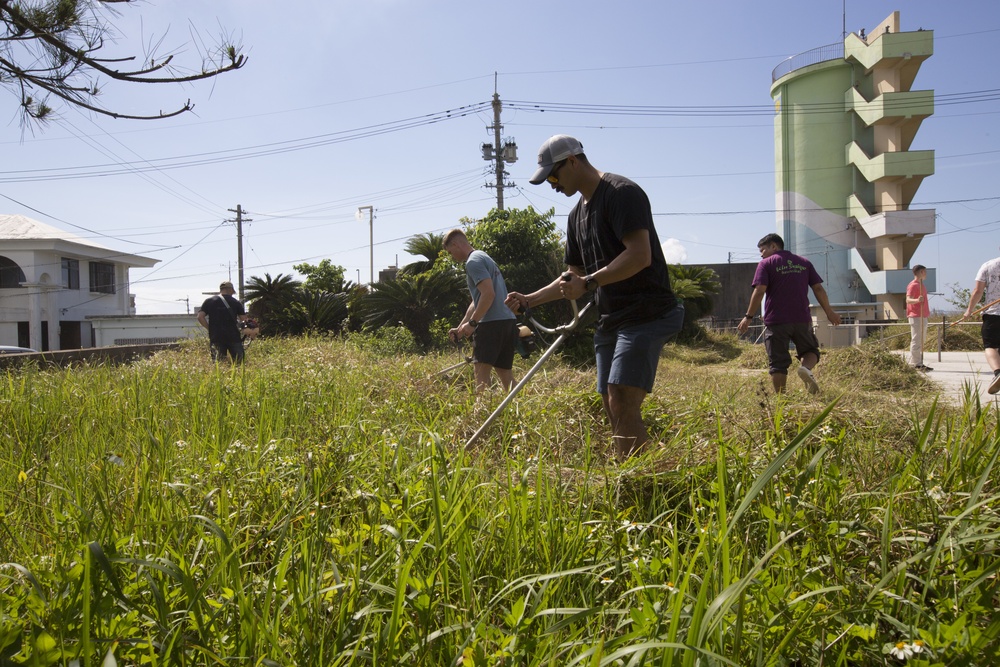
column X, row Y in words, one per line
column 845, row 117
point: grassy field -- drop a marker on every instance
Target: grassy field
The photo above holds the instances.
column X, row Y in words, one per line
column 318, row 507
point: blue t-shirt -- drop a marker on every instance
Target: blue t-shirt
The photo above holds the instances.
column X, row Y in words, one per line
column 479, row 267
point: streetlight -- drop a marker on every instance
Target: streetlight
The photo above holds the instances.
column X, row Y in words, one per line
column 371, row 239
column 359, row 276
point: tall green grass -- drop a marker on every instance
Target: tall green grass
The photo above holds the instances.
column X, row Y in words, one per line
column 318, row 507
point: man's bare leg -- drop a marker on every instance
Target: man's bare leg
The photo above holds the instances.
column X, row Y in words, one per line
column 623, row 405
column 993, row 358
column 506, row 377
column 482, row 372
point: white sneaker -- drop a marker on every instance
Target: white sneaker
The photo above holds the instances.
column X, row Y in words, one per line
column 807, row 377
column 995, row 385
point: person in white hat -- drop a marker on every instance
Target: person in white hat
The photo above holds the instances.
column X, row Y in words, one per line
column 613, row 251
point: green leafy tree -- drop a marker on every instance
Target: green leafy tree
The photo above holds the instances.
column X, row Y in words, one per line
column 430, row 246
column 527, row 247
column 415, row 302
column 524, row 243
column 325, row 276
column 57, row 48
column 960, row 297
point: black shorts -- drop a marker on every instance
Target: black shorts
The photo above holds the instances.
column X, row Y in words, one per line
column 494, row 343
column 776, row 339
column 221, row 346
column 991, row 331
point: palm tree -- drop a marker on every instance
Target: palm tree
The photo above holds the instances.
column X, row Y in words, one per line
column 428, row 245
column 314, row 311
column 267, row 298
column 694, row 285
column 415, row 302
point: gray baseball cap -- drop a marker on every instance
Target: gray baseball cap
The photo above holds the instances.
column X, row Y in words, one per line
column 553, row 151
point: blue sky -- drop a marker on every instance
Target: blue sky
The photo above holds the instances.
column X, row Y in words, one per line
column 330, row 113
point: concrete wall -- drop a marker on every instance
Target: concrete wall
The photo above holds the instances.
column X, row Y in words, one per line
column 110, row 355
column 734, row 296
column 145, row 329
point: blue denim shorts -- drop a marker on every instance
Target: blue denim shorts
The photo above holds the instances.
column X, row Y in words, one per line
column 630, row 355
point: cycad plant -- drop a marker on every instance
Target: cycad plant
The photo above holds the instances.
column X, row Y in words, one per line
column 415, row 302
column 694, row 285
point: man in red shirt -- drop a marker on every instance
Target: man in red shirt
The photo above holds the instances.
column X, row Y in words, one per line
column 918, row 311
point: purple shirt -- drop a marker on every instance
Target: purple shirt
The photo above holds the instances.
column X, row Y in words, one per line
column 788, row 278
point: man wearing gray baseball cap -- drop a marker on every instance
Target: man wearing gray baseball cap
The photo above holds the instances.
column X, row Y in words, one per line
column 613, row 251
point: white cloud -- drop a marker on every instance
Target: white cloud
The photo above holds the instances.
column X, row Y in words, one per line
column 674, row 252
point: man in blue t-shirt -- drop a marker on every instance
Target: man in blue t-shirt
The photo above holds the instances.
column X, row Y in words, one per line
column 785, row 279
column 492, row 323
column 612, row 251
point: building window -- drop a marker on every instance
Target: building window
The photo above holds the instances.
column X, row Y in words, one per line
column 70, row 273
column 102, row 277
column 11, row 274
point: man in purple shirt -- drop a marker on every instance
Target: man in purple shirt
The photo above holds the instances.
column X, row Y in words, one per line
column 785, row 279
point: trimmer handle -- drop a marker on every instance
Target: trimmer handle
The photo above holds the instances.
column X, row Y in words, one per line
column 566, row 277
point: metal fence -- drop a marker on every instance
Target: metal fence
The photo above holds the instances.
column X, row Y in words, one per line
column 806, row 58
column 856, row 330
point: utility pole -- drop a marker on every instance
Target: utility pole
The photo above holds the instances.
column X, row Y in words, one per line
column 371, row 239
column 239, row 244
column 499, row 152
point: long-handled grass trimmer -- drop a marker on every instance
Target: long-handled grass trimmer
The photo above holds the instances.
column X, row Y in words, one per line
column 564, row 331
column 466, row 361
column 975, row 312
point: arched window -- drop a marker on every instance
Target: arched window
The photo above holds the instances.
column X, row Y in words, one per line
column 11, row 274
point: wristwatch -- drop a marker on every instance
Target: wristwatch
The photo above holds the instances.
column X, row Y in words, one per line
column 473, row 324
column 749, row 316
column 590, row 284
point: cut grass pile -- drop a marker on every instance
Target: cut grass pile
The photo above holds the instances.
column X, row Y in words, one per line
column 318, row 508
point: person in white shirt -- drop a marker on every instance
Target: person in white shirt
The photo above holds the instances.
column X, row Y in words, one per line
column 988, row 283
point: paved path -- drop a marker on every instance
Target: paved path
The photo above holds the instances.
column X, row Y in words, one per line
column 954, row 370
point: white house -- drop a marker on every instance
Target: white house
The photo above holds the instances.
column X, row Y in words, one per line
column 52, row 281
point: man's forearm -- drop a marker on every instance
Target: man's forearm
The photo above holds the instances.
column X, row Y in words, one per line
column 546, row 294
column 977, row 294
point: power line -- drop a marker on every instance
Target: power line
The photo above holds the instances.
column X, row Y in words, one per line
column 315, row 141
column 229, row 155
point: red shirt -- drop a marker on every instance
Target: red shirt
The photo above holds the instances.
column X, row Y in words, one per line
column 913, row 290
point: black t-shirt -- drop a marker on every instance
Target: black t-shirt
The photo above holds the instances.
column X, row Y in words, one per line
column 593, row 239
column 222, row 323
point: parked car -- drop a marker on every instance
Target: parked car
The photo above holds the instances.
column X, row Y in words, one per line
column 13, row 349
